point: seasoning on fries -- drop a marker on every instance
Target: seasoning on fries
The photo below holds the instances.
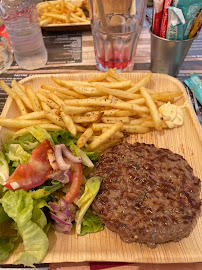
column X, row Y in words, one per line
column 99, row 110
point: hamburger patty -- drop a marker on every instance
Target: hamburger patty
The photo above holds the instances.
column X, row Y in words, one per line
column 147, row 195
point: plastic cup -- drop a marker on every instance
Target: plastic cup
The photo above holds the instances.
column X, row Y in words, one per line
column 6, row 56
column 116, row 26
column 167, row 56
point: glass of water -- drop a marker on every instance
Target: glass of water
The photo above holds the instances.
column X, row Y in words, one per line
column 116, row 26
column 6, row 56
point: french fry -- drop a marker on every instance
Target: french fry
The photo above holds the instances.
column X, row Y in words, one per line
column 21, row 94
column 98, row 78
column 116, row 112
column 63, row 96
column 148, row 123
column 57, row 120
column 79, row 19
column 21, row 86
column 116, row 76
column 7, row 89
column 48, row 101
column 117, row 135
column 55, row 16
column 108, row 103
column 62, row 90
column 80, row 128
column 112, row 120
column 84, row 137
column 140, row 84
column 165, row 96
column 69, row 123
column 138, row 101
column 55, row 98
column 105, row 112
column 88, row 91
column 70, row 84
column 138, row 121
column 20, row 105
column 45, row 106
column 108, row 144
column 110, row 79
column 18, row 123
column 134, row 129
column 104, row 136
column 77, row 110
column 125, row 128
column 152, row 107
column 116, row 92
column 32, row 116
column 87, row 119
column 45, row 22
column 33, row 98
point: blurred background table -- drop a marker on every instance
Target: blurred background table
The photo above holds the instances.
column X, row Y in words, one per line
column 73, row 52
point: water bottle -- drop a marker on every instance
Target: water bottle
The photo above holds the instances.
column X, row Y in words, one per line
column 21, row 22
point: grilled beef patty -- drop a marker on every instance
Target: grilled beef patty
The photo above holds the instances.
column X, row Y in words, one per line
column 147, row 195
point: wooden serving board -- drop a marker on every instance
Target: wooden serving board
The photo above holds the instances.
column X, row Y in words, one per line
column 106, row 245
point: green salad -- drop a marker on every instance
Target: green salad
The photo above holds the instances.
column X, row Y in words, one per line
column 45, row 181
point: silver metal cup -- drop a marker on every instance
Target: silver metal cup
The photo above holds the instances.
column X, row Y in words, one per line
column 167, row 56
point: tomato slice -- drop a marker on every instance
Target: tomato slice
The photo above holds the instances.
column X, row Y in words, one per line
column 34, row 173
column 76, row 169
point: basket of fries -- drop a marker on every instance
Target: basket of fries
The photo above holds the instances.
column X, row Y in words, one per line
column 62, row 14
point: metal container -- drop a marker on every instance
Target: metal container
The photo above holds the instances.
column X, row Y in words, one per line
column 167, row 56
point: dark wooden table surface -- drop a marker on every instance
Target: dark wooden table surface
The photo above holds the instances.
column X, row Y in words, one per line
column 73, row 52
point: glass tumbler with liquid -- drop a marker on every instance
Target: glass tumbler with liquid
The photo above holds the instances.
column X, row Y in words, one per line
column 21, row 22
column 116, row 26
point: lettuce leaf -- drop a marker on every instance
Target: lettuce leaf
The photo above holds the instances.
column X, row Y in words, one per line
column 45, row 190
column 17, row 153
column 91, row 223
column 38, row 215
column 4, row 169
column 28, row 142
column 79, row 153
column 19, row 206
column 92, row 187
column 40, row 134
column 7, row 244
column 3, row 216
column 94, row 156
column 63, row 136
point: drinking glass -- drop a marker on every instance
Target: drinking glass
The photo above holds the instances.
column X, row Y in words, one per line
column 22, row 25
column 116, row 26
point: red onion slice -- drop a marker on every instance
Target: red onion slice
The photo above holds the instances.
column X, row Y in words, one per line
column 59, row 158
column 62, row 228
column 69, row 155
column 62, row 216
column 62, row 176
column 58, row 220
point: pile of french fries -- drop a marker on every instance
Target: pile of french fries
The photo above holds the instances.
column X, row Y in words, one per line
column 102, row 109
column 60, row 12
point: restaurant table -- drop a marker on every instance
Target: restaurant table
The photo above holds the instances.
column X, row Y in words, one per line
column 73, row 52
